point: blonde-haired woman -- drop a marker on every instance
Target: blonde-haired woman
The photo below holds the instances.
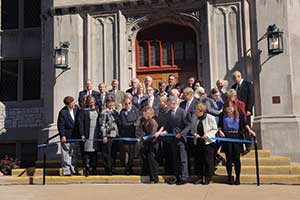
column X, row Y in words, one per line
column 204, row 127
column 148, row 126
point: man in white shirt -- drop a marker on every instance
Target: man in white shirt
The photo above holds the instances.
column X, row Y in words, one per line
column 102, row 95
column 151, row 101
column 190, row 102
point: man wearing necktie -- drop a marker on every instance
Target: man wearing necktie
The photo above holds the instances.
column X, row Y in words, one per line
column 151, row 101
column 87, row 92
column 178, row 122
column 102, row 96
column 189, row 105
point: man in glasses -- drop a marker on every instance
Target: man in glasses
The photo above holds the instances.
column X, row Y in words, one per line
column 171, row 83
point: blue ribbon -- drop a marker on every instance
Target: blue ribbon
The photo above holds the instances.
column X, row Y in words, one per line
column 126, row 139
column 151, row 136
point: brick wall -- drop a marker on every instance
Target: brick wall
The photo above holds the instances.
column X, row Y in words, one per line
column 20, row 117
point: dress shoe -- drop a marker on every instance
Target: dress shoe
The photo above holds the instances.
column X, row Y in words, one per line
column 172, row 182
column 76, row 174
column 86, row 172
column 181, row 182
column 229, row 181
column 67, row 175
column 207, row 181
column 199, row 181
column 237, row 182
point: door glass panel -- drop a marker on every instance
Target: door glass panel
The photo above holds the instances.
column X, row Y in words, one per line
column 167, row 53
column 155, row 54
column 143, row 54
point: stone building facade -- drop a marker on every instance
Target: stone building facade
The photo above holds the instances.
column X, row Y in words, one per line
column 107, row 38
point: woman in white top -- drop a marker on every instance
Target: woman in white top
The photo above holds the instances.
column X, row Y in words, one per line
column 204, row 127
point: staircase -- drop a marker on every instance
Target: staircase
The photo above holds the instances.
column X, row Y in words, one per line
column 273, row 170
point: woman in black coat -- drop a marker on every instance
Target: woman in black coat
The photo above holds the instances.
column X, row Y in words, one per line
column 128, row 118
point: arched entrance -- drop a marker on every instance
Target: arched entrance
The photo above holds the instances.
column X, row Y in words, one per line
column 166, row 49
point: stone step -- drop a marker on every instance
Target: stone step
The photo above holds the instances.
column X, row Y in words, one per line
column 137, row 162
column 261, row 154
column 57, row 163
column 265, row 170
column 250, row 170
column 245, row 179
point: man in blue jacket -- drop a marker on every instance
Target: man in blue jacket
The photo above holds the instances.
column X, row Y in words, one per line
column 67, row 130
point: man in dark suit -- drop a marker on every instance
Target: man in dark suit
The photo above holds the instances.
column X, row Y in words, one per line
column 189, row 105
column 245, row 92
column 133, row 88
column 102, row 96
column 67, row 130
column 151, row 101
column 178, row 123
column 172, row 83
column 87, row 92
column 190, row 102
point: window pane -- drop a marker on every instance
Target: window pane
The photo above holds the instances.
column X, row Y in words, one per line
column 167, row 54
column 178, row 53
column 31, row 79
column 32, row 10
column 190, row 54
column 143, row 54
column 9, row 81
column 155, row 54
column 9, row 14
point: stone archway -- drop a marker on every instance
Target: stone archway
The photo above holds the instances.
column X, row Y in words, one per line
column 137, row 24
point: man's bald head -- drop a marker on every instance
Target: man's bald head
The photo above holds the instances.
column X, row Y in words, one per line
column 237, row 77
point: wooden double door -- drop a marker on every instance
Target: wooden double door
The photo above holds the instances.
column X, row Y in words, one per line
column 166, row 49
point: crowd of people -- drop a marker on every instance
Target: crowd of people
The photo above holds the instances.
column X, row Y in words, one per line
column 181, row 118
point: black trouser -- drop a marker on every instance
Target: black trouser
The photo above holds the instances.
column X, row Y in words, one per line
column 106, row 152
column 181, row 161
column 150, row 164
column 190, row 153
column 127, row 147
column 232, row 152
column 204, row 159
column 115, row 149
column 90, row 161
column 169, row 147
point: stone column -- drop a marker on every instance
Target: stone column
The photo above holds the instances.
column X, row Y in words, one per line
column 277, row 102
column 228, row 39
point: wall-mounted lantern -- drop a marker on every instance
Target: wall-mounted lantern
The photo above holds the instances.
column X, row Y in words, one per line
column 275, row 40
column 61, row 56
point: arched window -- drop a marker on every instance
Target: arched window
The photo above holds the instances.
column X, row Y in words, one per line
column 143, row 51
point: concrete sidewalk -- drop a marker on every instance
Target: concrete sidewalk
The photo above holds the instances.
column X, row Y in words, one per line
column 145, row 191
